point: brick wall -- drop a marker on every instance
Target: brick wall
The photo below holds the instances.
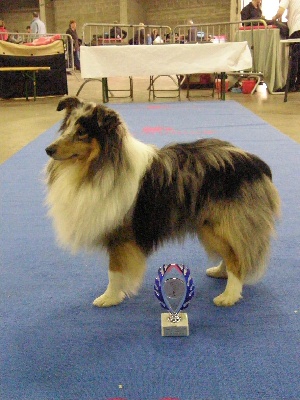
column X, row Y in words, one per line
column 85, row 11
column 177, row 12
column 136, row 12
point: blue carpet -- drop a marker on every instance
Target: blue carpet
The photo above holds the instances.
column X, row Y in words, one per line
column 56, row 346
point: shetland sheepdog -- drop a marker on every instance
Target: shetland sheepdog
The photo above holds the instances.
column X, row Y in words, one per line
column 108, row 190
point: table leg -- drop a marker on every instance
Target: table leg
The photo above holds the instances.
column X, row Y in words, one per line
column 287, row 84
column 26, row 85
column 32, row 77
column 223, row 77
column 34, row 84
column 105, row 90
column 131, row 87
column 150, row 88
column 188, row 86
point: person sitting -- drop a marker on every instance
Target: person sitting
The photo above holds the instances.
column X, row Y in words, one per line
column 15, row 38
column 252, row 11
column 139, row 36
column 154, row 34
column 155, row 37
column 116, row 32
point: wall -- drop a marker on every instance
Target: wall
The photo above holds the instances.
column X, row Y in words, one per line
column 156, row 12
column 85, row 11
column 17, row 21
column 174, row 12
column 136, row 12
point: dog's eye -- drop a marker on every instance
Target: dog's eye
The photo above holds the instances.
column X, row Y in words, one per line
column 82, row 135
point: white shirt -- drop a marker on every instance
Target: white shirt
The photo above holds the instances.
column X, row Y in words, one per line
column 293, row 17
column 38, row 26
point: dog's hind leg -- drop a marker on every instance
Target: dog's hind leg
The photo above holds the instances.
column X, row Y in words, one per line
column 229, row 267
column 220, row 271
column 233, row 290
column 127, row 265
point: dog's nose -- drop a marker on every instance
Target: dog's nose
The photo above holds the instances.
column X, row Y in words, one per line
column 51, row 150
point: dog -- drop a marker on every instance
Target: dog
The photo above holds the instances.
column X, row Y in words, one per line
column 108, row 190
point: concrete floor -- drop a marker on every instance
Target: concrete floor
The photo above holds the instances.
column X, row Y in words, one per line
column 22, row 121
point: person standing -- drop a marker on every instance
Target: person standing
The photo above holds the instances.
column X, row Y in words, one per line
column 293, row 7
column 37, row 26
column 3, row 31
column 192, row 32
column 73, row 32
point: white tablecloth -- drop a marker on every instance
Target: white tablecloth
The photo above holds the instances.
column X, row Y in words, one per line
column 170, row 59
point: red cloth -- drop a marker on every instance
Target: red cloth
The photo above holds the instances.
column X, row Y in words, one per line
column 44, row 40
column 3, row 33
column 248, row 28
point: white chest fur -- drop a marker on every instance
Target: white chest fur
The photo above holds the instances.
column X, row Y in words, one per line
column 84, row 211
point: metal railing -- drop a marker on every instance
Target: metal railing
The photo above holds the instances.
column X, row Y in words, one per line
column 94, row 34
column 217, row 32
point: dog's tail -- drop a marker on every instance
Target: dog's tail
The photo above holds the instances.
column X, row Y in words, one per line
column 248, row 225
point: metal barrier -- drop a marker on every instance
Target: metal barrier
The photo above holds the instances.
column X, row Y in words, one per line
column 94, row 34
column 23, row 38
column 217, row 32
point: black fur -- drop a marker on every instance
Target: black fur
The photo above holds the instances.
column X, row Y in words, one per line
column 203, row 183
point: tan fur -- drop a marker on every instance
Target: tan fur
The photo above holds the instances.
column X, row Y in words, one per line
column 128, row 263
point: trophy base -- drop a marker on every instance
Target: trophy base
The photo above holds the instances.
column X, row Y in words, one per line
column 180, row 328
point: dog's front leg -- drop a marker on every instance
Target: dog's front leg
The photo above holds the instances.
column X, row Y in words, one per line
column 114, row 293
column 234, row 286
column 127, row 265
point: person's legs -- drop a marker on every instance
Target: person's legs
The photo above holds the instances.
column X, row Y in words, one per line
column 295, row 63
column 76, row 60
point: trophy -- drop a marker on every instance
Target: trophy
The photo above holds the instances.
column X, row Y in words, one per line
column 174, row 288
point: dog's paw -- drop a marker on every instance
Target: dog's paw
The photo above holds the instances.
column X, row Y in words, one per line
column 216, row 272
column 226, row 299
column 108, row 300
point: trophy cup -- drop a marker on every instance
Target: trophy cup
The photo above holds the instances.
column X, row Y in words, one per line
column 174, row 288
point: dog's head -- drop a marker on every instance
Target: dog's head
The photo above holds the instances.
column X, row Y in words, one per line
column 89, row 131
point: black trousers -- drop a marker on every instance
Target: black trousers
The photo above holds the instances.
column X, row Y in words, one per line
column 295, row 66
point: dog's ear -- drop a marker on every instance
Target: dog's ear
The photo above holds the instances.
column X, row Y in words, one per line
column 68, row 103
column 108, row 119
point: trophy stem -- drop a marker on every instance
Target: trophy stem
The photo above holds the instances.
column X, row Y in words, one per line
column 174, row 317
